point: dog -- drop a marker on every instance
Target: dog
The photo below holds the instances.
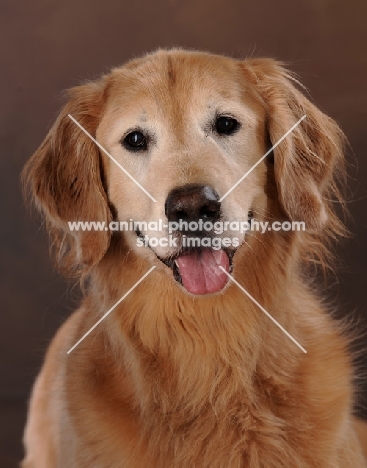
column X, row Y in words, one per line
column 223, row 355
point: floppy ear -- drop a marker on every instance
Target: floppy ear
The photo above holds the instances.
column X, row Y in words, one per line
column 307, row 161
column 65, row 180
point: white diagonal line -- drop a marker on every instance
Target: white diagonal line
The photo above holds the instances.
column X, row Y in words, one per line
column 262, row 308
column 112, row 308
column 261, row 159
column 111, row 157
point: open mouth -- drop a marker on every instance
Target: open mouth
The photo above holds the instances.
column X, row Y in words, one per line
column 198, row 269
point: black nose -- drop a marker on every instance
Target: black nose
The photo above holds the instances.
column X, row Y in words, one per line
column 193, row 202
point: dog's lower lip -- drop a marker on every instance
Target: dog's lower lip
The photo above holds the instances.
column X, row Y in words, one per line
column 169, row 262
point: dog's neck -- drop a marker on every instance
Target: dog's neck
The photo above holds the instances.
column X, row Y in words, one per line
column 195, row 368
column 195, row 352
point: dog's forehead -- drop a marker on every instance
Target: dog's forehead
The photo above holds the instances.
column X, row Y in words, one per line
column 184, row 77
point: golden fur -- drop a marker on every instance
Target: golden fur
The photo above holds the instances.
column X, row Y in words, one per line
column 170, row 379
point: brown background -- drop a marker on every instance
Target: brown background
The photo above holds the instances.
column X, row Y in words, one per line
column 50, row 45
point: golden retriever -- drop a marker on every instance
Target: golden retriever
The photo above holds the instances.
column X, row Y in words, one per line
column 188, row 370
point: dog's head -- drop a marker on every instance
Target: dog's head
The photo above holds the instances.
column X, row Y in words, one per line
column 186, row 127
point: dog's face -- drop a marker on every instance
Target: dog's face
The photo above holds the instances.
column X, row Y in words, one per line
column 186, row 130
column 185, row 126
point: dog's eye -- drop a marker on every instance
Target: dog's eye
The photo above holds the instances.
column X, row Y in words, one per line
column 135, row 141
column 226, row 125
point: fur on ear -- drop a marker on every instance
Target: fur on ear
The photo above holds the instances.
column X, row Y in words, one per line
column 64, row 178
column 309, row 162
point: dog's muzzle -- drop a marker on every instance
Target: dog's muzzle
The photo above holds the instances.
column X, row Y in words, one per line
column 197, row 269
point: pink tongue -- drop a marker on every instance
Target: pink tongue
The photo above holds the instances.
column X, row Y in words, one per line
column 200, row 270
